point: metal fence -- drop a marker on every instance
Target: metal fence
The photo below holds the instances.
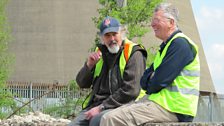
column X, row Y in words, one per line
column 210, row 107
column 39, row 96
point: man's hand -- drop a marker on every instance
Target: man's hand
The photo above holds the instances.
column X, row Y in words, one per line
column 93, row 59
column 92, row 112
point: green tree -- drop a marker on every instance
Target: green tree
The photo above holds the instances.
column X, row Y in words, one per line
column 135, row 15
column 5, row 59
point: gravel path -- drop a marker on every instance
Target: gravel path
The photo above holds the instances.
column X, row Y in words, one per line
column 34, row 119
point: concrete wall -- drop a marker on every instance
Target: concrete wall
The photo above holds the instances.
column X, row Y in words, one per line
column 52, row 38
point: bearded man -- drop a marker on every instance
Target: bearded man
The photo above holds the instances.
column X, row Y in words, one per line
column 113, row 72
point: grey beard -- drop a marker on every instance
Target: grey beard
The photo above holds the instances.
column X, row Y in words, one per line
column 114, row 49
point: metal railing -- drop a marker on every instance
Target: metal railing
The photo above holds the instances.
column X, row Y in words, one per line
column 39, row 96
column 210, row 107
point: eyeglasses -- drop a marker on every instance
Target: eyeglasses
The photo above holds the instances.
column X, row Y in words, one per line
column 158, row 20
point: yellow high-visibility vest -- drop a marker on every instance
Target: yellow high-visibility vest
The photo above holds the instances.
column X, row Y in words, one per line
column 182, row 95
column 128, row 46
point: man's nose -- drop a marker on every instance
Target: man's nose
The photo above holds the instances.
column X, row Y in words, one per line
column 112, row 37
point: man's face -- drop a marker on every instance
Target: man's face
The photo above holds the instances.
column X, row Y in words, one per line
column 161, row 25
column 113, row 41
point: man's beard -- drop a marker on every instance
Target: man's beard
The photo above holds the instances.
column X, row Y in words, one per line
column 113, row 47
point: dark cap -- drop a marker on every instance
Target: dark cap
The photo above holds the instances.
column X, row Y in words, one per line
column 109, row 24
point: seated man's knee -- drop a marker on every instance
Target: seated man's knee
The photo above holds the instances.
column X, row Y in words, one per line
column 110, row 116
column 106, row 116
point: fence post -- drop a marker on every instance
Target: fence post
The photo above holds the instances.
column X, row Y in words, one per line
column 211, row 107
column 31, row 91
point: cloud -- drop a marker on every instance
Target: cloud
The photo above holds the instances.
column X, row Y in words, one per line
column 210, row 18
column 218, row 49
column 214, row 56
column 210, row 22
column 209, row 12
column 211, row 27
column 215, row 62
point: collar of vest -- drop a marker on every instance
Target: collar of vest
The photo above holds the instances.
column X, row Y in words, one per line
column 171, row 36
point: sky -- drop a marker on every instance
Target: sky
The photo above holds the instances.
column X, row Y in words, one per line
column 209, row 16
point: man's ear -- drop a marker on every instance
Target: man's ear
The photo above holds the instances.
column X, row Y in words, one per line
column 172, row 22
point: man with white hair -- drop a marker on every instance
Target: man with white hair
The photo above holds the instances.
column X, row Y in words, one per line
column 172, row 81
column 113, row 72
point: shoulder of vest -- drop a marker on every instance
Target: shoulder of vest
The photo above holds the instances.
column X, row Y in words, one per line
column 182, row 35
column 139, row 48
column 134, row 47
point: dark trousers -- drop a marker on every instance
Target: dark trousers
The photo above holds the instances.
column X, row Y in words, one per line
column 80, row 120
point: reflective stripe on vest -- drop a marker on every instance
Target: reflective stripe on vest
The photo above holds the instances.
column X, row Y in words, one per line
column 186, row 91
column 190, row 73
column 182, row 95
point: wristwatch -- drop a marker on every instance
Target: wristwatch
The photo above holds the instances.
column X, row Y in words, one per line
column 102, row 107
